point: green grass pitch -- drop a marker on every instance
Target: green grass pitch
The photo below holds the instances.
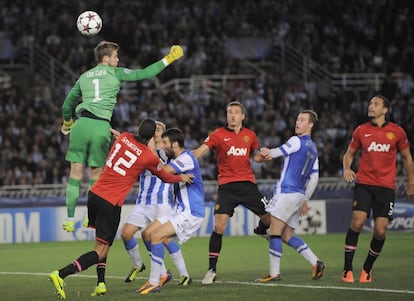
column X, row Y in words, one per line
column 24, row 270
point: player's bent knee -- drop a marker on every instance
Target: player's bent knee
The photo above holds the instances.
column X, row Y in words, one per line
column 157, row 237
column 128, row 231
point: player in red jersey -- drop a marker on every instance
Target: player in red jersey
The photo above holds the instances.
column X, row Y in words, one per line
column 128, row 158
column 234, row 145
column 378, row 141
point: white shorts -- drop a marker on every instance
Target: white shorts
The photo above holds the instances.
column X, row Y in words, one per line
column 143, row 215
column 185, row 224
column 286, row 207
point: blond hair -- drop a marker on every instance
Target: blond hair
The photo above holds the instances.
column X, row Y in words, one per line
column 161, row 124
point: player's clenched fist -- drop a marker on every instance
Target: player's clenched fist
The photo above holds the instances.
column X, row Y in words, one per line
column 176, row 52
column 67, row 125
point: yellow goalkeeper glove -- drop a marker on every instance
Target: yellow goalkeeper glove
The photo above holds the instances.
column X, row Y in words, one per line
column 66, row 127
column 69, row 226
column 176, row 52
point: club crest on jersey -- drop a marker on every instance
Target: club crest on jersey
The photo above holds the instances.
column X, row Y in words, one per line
column 246, row 139
column 390, row 135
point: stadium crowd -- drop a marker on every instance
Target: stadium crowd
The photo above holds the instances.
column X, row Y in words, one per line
column 355, row 36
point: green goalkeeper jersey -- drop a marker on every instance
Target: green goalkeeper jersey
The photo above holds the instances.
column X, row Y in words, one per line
column 99, row 87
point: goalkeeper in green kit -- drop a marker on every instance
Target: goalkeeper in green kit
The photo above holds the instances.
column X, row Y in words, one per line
column 90, row 135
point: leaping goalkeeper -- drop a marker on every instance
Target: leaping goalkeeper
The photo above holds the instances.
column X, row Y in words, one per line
column 90, row 135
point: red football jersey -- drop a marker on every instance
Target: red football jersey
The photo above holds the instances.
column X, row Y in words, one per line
column 379, row 146
column 127, row 159
column 233, row 152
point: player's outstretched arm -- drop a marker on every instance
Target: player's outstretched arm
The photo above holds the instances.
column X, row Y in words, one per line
column 169, row 169
column 200, row 151
column 176, row 52
column 152, row 70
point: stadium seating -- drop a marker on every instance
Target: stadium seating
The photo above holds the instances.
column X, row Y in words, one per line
column 339, row 37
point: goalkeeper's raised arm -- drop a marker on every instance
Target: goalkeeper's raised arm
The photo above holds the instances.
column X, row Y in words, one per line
column 124, row 74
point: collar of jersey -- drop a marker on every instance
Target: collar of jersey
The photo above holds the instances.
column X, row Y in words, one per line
column 376, row 125
column 231, row 130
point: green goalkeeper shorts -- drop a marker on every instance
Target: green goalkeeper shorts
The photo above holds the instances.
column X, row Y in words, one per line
column 89, row 142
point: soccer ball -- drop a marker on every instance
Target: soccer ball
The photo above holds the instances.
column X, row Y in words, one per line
column 311, row 222
column 89, row 23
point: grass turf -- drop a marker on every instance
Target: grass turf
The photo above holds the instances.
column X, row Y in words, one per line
column 25, row 268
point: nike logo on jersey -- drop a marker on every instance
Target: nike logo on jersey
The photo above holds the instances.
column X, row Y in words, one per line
column 227, row 139
column 367, row 135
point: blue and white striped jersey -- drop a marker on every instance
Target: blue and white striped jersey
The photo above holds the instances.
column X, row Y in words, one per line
column 188, row 197
column 300, row 161
column 152, row 190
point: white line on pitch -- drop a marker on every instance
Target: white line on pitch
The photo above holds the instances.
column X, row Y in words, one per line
column 365, row 289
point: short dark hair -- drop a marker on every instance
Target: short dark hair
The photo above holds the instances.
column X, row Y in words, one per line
column 146, row 130
column 104, row 48
column 175, row 135
column 236, row 103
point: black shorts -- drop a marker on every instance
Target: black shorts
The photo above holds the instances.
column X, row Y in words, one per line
column 104, row 217
column 239, row 193
column 379, row 199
